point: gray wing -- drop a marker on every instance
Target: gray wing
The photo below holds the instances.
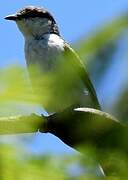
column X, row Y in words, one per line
column 78, row 65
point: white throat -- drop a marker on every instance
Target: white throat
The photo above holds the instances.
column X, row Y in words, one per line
column 34, row 27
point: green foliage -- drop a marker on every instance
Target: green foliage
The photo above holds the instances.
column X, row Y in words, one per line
column 16, row 163
column 103, row 36
column 98, row 48
column 13, row 85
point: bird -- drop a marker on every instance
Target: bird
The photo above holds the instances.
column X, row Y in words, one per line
column 56, row 71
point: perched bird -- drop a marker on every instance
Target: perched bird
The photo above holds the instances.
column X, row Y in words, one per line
column 56, row 72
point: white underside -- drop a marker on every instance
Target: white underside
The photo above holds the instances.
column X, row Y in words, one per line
column 59, row 88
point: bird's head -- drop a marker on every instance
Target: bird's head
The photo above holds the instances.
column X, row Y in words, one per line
column 34, row 21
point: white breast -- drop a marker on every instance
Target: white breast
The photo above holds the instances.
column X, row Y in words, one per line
column 57, row 88
column 43, row 51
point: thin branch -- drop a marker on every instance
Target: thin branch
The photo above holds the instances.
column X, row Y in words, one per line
column 22, row 124
column 74, row 127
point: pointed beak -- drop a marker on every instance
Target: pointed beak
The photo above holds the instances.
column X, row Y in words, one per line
column 12, row 17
